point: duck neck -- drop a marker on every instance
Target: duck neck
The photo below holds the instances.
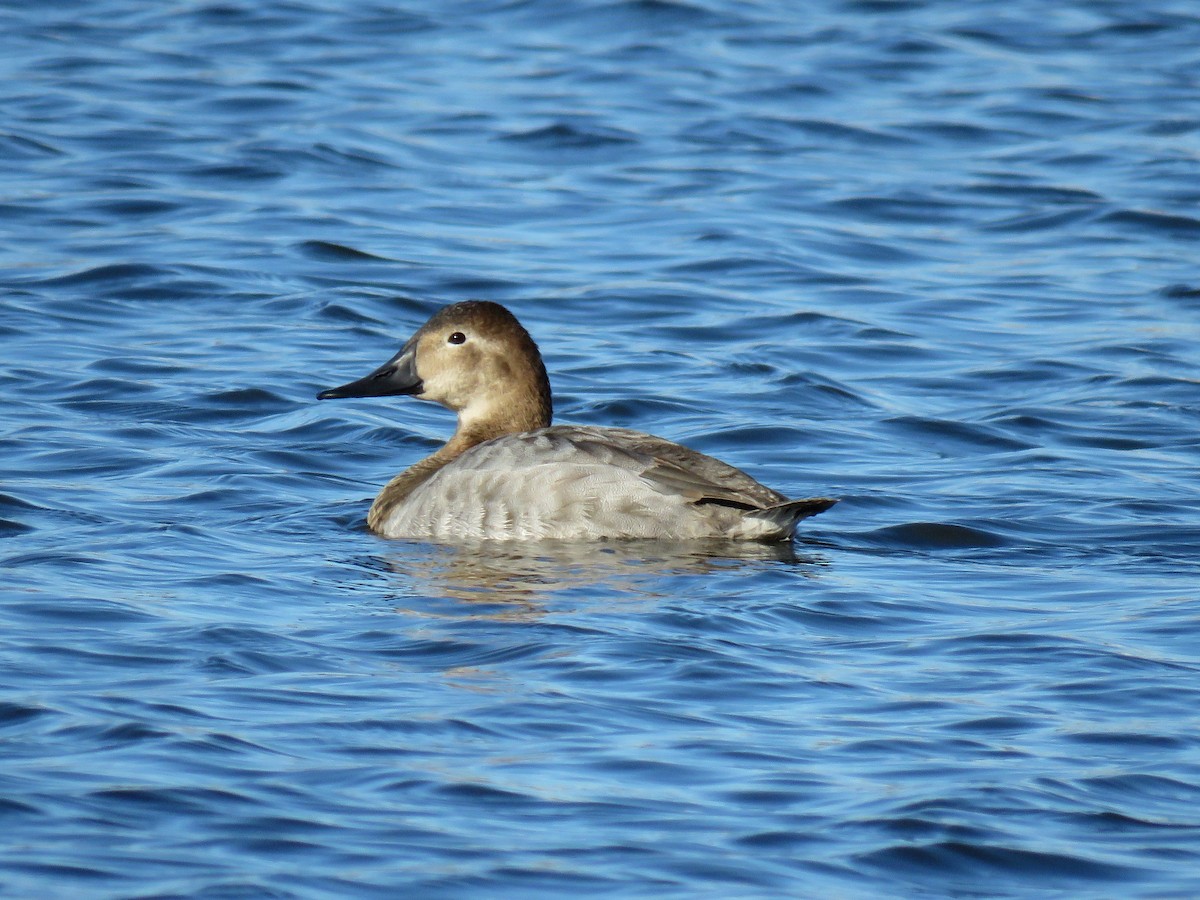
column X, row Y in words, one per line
column 496, row 417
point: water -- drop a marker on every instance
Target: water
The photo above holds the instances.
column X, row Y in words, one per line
column 936, row 259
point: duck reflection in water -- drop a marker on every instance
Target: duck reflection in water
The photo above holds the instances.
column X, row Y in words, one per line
column 529, row 575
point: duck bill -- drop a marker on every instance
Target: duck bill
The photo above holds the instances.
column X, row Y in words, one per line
column 396, row 376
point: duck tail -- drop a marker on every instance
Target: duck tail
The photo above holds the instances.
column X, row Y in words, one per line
column 786, row 515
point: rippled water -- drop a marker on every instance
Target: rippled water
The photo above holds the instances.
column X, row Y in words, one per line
column 939, row 260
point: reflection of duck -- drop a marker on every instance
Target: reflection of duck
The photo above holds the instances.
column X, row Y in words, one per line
column 508, row 474
column 521, row 577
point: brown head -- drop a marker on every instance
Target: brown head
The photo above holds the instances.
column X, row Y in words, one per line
column 474, row 358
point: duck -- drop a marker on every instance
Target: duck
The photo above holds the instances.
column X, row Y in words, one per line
column 508, row 474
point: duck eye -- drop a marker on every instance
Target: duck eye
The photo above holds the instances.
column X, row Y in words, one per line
column 457, row 338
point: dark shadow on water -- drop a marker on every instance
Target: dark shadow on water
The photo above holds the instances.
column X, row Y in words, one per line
column 934, row 536
column 506, row 572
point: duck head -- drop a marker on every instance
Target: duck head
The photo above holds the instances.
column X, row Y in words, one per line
column 474, row 358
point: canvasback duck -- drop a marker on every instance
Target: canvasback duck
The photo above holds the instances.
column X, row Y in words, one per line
column 508, row 474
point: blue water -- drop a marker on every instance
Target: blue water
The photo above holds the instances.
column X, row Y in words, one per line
column 939, row 260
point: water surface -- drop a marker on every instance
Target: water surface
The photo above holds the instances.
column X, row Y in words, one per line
column 938, row 260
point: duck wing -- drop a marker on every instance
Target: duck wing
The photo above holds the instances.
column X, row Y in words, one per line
column 672, row 468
